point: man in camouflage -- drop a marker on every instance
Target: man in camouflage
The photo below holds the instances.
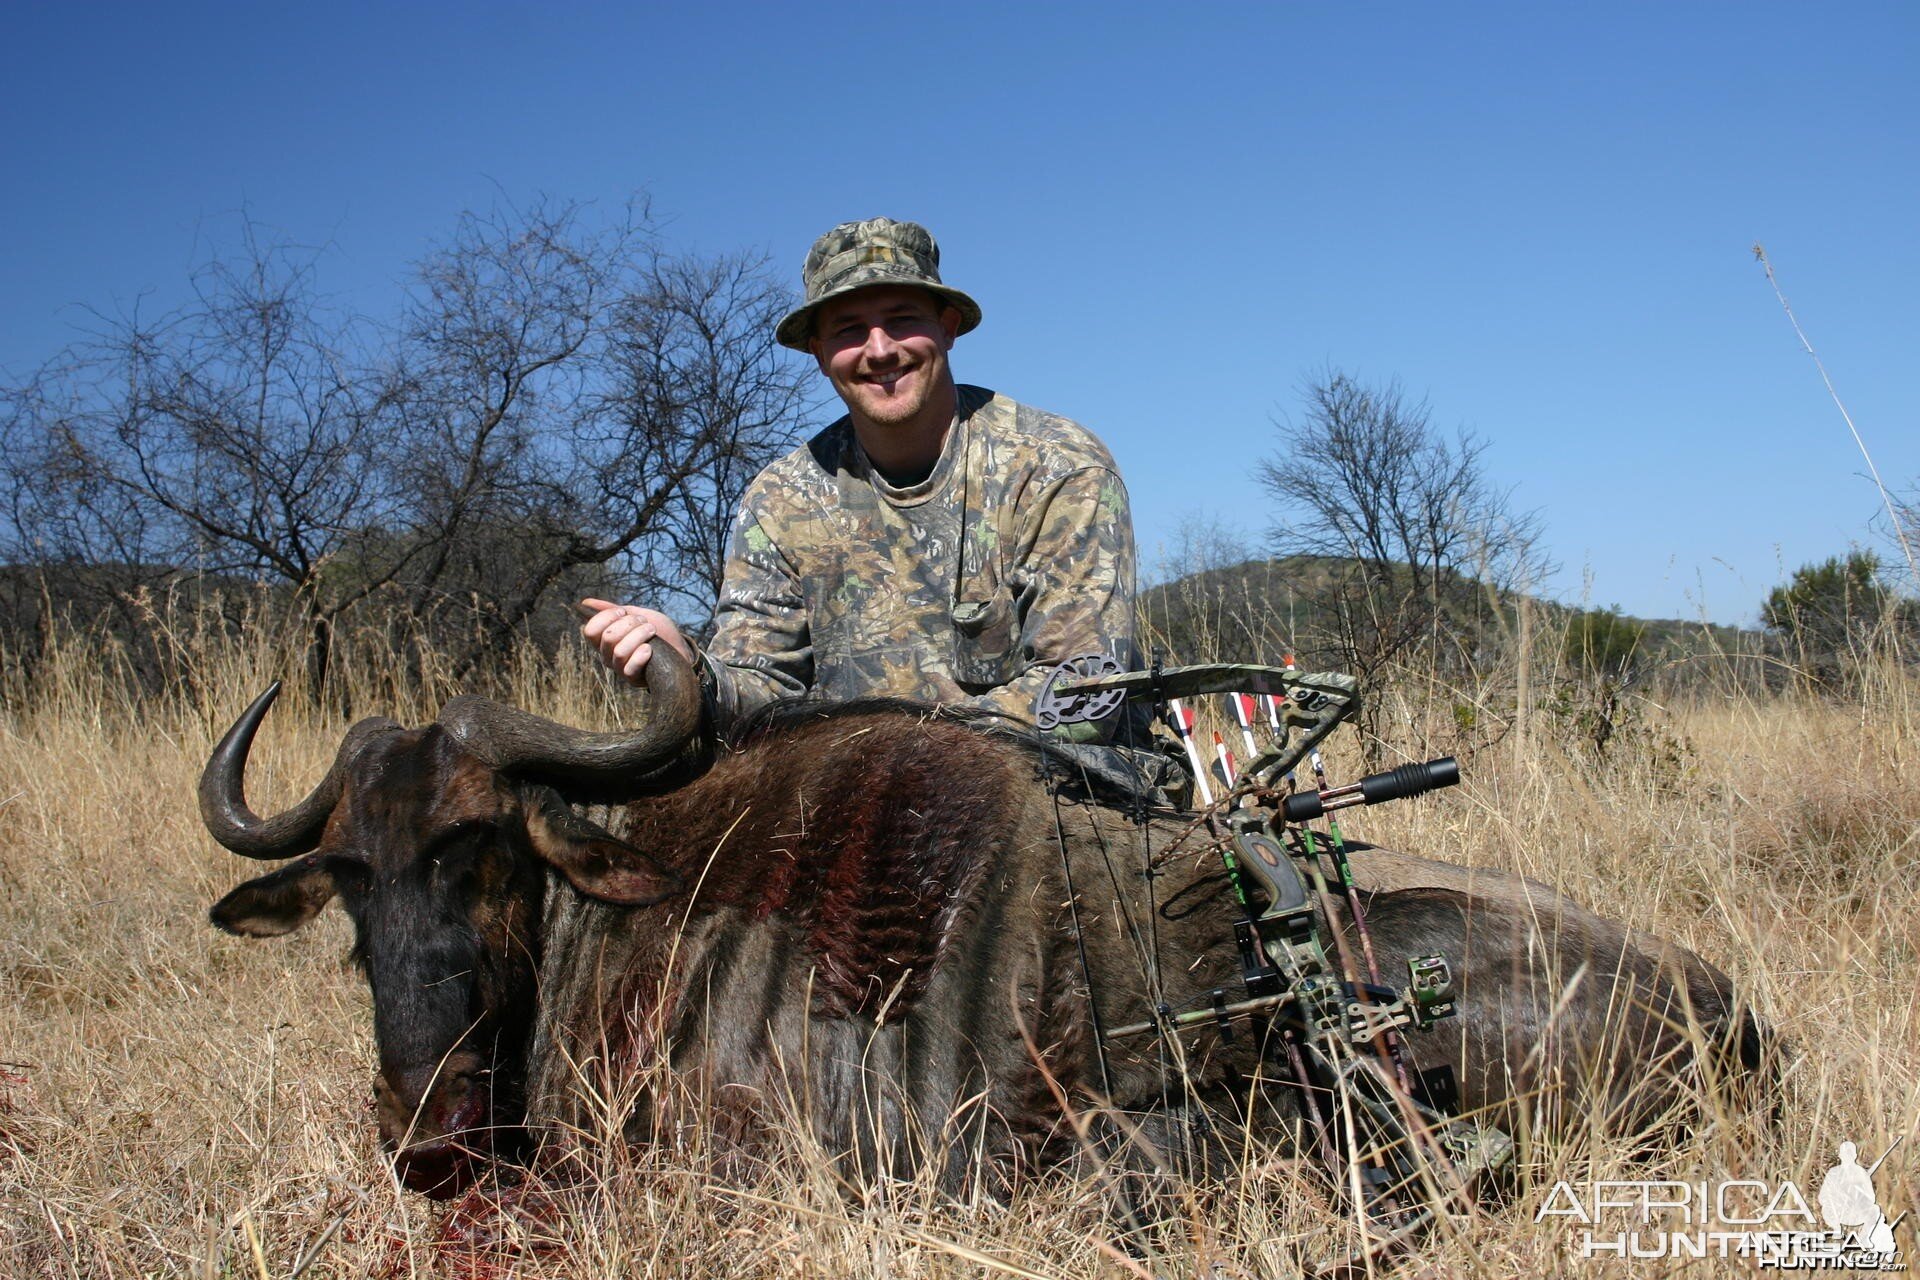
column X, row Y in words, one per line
column 939, row 542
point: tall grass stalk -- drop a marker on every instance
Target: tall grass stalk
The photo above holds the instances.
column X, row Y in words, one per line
column 1886, row 499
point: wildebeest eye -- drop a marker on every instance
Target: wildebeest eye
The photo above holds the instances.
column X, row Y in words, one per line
column 351, row 876
column 456, row 851
column 466, row 831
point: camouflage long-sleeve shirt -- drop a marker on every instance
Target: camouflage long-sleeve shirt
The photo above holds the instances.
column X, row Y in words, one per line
column 1014, row 555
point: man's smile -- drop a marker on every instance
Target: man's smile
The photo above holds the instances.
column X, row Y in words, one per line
column 885, row 380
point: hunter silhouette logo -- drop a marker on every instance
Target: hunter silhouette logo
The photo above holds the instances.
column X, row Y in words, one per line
column 1771, row 1224
column 1848, row 1203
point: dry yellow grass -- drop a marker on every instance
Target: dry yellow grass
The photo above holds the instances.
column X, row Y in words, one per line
column 178, row 1102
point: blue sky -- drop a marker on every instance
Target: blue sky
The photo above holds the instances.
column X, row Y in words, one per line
column 1537, row 215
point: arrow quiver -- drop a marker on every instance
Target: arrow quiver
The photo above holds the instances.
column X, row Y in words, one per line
column 1336, row 1036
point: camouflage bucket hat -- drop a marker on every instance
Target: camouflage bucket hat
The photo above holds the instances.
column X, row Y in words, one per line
column 855, row 255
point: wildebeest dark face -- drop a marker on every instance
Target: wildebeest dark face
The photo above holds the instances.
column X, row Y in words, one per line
column 440, row 860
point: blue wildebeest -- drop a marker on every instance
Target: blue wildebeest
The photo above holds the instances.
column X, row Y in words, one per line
column 866, row 905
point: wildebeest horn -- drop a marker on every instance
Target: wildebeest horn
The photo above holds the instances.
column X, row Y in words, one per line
column 574, row 760
column 223, row 801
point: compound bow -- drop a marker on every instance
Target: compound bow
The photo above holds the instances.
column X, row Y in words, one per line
column 1335, row 1037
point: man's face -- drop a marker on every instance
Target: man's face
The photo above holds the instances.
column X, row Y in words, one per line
column 884, row 349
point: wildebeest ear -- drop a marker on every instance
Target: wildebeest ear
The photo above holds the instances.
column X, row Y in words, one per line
column 278, row 902
column 598, row 864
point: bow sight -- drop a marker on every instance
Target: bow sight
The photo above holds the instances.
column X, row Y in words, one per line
column 1335, row 1033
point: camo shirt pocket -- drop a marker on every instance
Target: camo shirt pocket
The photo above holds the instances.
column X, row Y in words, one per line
column 986, row 641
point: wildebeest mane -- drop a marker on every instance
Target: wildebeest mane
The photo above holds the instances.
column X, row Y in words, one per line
column 1053, row 761
column 784, row 713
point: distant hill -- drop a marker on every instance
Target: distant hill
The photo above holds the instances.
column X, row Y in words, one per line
column 1260, row 610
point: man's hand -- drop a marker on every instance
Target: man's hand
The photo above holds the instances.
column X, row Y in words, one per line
column 624, row 635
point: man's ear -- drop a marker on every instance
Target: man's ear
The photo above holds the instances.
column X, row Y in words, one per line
column 596, row 863
column 950, row 324
column 819, row 351
column 278, row 902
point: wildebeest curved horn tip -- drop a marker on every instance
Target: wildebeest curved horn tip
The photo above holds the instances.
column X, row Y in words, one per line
column 223, row 801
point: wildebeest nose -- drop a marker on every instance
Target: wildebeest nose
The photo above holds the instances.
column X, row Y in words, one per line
column 431, row 1099
column 435, row 1120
